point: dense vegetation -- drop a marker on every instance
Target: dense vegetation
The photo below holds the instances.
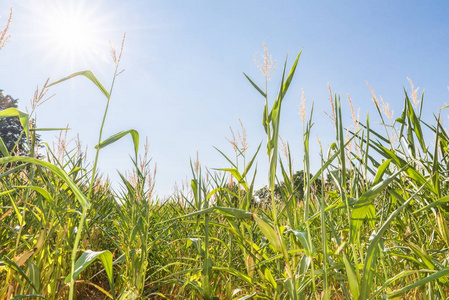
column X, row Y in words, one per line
column 370, row 223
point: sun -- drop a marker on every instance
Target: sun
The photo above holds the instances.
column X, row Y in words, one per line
column 70, row 32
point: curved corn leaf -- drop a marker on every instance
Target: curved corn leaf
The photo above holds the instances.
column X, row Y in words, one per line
column 270, row 234
column 419, row 283
column 23, row 117
column 89, row 75
column 112, row 139
column 89, row 257
column 366, row 197
column 22, row 258
column 38, row 189
column 394, row 278
column 234, row 272
column 55, row 170
column 237, row 176
column 220, row 189
column 441, row 201
column 250, row 296
column 12, row 265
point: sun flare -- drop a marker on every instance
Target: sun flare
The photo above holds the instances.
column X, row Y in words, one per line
column 70, row 31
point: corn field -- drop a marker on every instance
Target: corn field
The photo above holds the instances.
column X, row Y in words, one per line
column 370, row 223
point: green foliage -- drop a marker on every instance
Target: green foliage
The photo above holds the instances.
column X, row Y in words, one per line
column 11, row 129
column 370, row 223
column 297, row 193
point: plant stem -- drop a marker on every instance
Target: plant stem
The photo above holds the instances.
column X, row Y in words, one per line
column 74, row 250
column 92, row 181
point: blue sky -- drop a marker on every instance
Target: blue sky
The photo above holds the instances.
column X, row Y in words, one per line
column 183, row 84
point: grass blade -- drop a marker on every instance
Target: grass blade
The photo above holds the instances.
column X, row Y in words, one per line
column 89, row 75
column 112, row 139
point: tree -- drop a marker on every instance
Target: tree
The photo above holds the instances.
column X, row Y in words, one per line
column 280, row 189
column 11, row 129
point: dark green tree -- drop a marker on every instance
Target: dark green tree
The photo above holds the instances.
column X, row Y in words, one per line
column 279, row 189
column 11, row 129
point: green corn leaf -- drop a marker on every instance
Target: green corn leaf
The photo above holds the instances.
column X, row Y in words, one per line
column 17, row 211
column 234, row 272
column 89, row 75
column 234, row 212
column 419, row 283
column 381, row 171
column 38, row 189
column 55, row 170
column 220, row 189
column 358, row 216
column 3, row 149
column 422, row 254
column 24, row 118
column 112, row 139
column 270, row 278
column 290, row 75
column 248, row 166
column 12, row 265
column 392, row 279
column 304, row 240
column 443, row 229
column 270, row 234
column 250, row 296
column 373, row 248
column 245, row 204
column 436, row 163
column 198, row 245
column 34, row 273
column 28, row 296
column 6, row 192
column 366, row 197
column 416, row 123
column 255, row 86
column 227, row 158
column 441, row 201
column 12, row 171
column 329, row 161
column 49, row 129
column 89, row 257
column 289, row 285
column 265, row 122
column 237, row 176
column 354, row 285
column 226, row 211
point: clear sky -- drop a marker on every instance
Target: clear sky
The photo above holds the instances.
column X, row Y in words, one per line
column 183, row 84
